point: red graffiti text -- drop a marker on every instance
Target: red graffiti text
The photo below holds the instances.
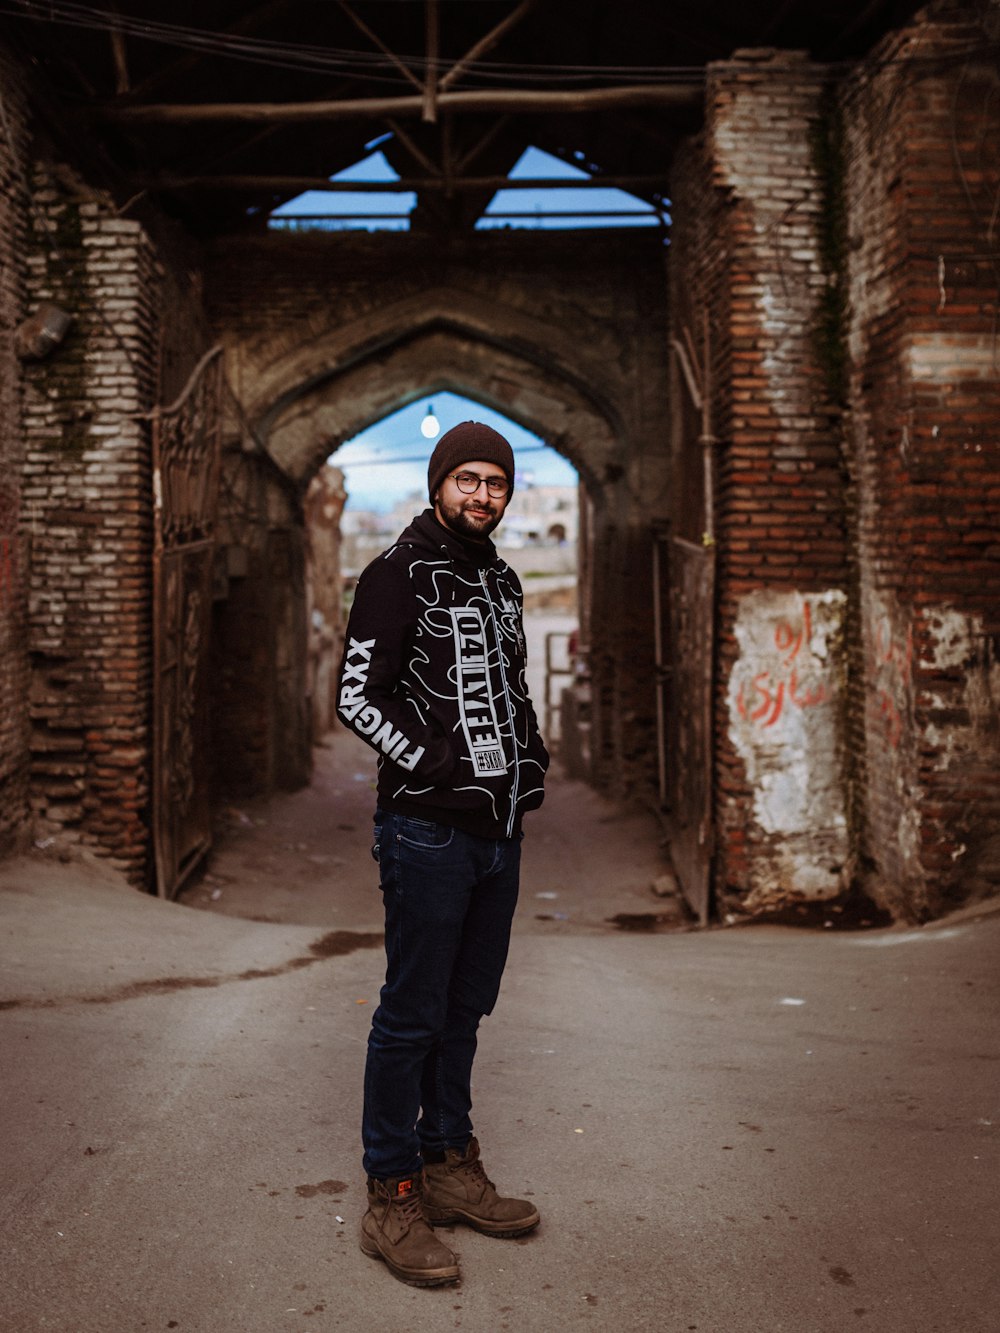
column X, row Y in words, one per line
column 794, row 681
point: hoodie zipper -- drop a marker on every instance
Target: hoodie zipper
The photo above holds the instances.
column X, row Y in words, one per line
column 510, row 706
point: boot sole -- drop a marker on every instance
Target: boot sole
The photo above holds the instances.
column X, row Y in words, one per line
column 436, row 1277
column 484, row 1228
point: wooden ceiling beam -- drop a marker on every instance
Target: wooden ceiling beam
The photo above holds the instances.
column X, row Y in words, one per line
column 414, row 149
column 120, row 57
column 666, row 96
column 374, row 38
column 485, row 44
column 296, row 184
column 432, row 22
column 482, row 143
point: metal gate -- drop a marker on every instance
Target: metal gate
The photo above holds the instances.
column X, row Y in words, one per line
column 185, row 490
column 686, row 766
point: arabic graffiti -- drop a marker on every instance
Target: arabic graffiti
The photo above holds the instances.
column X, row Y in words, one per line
column 796, row 678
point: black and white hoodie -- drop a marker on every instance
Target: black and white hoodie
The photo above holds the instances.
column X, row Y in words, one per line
column 433, row 679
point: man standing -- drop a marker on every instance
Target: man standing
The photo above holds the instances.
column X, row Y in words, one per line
column 433, row 680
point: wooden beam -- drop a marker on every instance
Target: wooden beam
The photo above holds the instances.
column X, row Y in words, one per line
column 485, row 44
column 432, row 19
column 297, row 184
column 480, row 146
column 414, row 149
column 666, row 96
column 374, row 38
column 651, row 212
column 448, row 155
column 120, row 57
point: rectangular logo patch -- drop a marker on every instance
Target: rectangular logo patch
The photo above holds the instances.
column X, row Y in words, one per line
column 475, row 704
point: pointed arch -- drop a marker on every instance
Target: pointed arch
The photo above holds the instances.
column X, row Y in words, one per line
column 327, row 388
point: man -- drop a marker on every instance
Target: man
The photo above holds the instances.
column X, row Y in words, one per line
column 433, row 680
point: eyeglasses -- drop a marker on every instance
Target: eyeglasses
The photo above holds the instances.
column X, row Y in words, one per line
column 469, row 482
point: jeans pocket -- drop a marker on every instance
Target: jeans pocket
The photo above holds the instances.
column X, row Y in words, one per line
column 424, row 833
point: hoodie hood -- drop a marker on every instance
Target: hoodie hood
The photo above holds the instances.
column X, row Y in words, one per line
column 427, row 533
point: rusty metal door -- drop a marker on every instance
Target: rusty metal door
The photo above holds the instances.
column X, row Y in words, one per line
column 185, row 496
column 687, row 761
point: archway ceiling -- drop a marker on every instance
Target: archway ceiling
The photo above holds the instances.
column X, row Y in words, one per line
column 220, row 110
column 333, row 410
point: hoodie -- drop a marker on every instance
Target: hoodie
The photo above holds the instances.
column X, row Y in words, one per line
column 433, row 680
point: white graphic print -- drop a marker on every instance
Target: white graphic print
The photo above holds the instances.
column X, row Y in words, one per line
column 365, row 717
column 475, row 702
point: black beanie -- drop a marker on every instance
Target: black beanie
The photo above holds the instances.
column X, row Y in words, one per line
column 469, row 442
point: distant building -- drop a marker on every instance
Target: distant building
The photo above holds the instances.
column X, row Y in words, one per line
column 541, row 516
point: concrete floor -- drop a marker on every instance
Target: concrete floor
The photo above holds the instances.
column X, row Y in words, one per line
column 749, row 1130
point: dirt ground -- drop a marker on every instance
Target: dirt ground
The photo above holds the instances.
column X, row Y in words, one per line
column 733, row 1130
column 303, row 858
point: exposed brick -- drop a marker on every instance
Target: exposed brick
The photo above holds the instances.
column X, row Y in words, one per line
column 15, row 813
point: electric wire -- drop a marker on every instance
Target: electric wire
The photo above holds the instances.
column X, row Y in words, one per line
column 375, row 66
column 321, row 58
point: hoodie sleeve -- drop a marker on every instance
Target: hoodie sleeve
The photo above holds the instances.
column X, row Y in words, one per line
column 371, row 698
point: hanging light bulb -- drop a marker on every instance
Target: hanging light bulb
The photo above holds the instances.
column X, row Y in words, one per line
column 430, row 426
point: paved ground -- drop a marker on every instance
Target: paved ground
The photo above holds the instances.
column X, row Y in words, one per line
column 753, row 1130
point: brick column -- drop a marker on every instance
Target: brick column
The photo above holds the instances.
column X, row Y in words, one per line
column 748, row 210
column 923, row 154
column 87, row 500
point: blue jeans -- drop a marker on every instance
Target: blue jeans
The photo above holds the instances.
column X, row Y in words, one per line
column 449, row 900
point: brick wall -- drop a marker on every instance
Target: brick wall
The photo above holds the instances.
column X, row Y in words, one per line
column 14, row 822
column 843, row 242
column 923, row 154
column 748, row 200
column 87, row 502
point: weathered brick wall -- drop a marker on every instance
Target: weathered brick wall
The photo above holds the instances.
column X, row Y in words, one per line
column 14, row 820
column 923, row 153
column 856, row 403
column 701, row 325
column 87, row 502
column 747, row 203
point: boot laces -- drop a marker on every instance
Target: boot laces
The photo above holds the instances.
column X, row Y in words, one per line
column 476, row 1170
column 408, row 1208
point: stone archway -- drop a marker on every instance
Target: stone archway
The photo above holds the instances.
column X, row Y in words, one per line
column 446, row 341
column 572, row 353
column 311, row 423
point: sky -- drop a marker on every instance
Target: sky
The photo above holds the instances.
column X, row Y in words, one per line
column 389, row 460
column 532, row 163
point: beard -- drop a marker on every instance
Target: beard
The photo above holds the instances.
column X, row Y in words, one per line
column 469, row 518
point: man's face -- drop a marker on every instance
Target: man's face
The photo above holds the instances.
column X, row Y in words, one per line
column 472, row 515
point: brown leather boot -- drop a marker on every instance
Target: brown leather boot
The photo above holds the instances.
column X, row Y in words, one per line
column 458, row 1190
column 395, row 1230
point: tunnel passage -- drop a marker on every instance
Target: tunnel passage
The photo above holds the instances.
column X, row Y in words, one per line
column 562, row 339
